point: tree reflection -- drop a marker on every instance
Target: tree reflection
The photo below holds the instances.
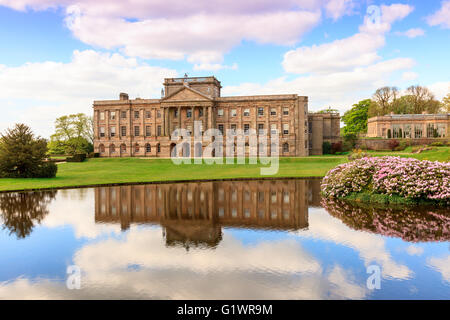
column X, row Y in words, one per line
column 413, row 224
column 21, row 211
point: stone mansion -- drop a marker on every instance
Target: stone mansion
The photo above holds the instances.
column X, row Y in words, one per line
column 143, row 127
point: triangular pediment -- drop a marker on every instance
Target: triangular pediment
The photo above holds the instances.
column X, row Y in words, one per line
column 186, row 94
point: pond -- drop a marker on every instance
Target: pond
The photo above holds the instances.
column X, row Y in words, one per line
column 256, row 239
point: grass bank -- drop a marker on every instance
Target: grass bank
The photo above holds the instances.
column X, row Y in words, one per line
column 134, row 170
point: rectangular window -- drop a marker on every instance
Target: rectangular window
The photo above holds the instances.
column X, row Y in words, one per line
column 285, row 111
column 159, row 131
column 200, row 112
column 112, row 131
column 246, row 128
column 123, row 114
column 233, row 128
column 136, row 114
column 285, row 128
column 220, row 127
column 273, row 111
column 220, row 112
column 102, row 116
column 148, row 114
column 112, row 115
column 260, row 128
column 260, row 111
column 136, row 131
column 233, row 113
column 188, row 113
column 273, row 128
column 123, row 131
column 102, row 131
column 148, row 131
column 246, row 112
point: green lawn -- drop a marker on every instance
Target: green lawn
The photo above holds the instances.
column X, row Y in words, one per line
column 127, row 170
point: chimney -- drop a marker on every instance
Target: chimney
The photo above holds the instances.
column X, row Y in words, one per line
column 123, row 96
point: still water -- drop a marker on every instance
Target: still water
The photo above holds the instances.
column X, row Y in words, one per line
column 266, row 239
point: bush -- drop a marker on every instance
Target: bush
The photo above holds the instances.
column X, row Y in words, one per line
column 326, row 147
column 93, row 155
column 402, row 146
column 393, row 176
column 336, row 147
column 357, row 154
column 349, row 141
column 46, row 170
column 438, row 144
column 392, row 144
column 79, row 157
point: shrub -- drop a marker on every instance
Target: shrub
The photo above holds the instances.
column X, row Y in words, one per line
column 392, row 176
column 79, row 157
column 438, row 144
column 336, row 147
column 93, row 155
column 401, row 146
column 357, row 154
column 326, row 147
column 349, row 141
column 392, row 144
column 47, row 170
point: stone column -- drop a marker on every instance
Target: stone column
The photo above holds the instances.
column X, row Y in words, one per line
column 205, row 119
column 179, row 117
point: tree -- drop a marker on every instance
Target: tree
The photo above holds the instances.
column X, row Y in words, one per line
column 21, row 154
column 422, row 100
column 355, row 119
column 446, row 103
column 73, row 134
column 383, row 98
column 328, row 110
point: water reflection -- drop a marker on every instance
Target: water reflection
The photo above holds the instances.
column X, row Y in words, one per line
column 412, row 224
column 20, row 212
column 193, row 214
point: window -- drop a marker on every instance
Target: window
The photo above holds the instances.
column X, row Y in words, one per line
column 123, row 148
column 112, row 148
column 220, row 112
column 273, row 111
column 286, row 147
column 233, row 113
column 136, row 148
column 260, row 128
column 102, row 116
column 136, row 114
column 158, row 114
column 123, row 131
column 188, row 113
column 246, row 112
column 102, row 131
column 158, row 148
column 233, row 128
column 273, row 197
column 200, row 112
column 136, row 131
column 112, row 131
column 260, row 111
column 159, row 131
column 286, row 197
column 273, row 128
column 220, row 127
column 417, row 131
column 123, row 114
column 101, row 148
column 148, row 148
column 285, row 128
column 148, row 131
column 285, row 111
column 112, row 115
column 148, row 114
column 246, row 128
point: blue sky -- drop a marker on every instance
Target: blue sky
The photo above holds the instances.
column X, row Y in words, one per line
column 57, row 56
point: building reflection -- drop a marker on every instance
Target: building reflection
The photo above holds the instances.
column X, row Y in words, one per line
column 193, row 214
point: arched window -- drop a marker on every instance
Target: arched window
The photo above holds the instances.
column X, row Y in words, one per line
column 136, row 148
column 186, row 150
column 198, row 150
column 148, row 148
column 158, row 148
column 286, row 147
column 101, row 148
column 112, row 148
column 123, row 148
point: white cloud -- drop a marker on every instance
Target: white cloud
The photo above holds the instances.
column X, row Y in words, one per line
column 412, row 33
column 338, row 8
column 441, row 17
column 414, row 250
column 442, row 265
column 409, row 75
column 214, row 67
column 37, row 93
column 440, row 89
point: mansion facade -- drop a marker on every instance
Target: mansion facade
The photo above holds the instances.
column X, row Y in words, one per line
column 144, row 127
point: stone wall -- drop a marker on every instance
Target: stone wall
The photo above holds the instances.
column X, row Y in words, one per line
column 383, row 144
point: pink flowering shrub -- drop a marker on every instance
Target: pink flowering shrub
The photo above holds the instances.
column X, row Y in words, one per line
column 393, row 176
